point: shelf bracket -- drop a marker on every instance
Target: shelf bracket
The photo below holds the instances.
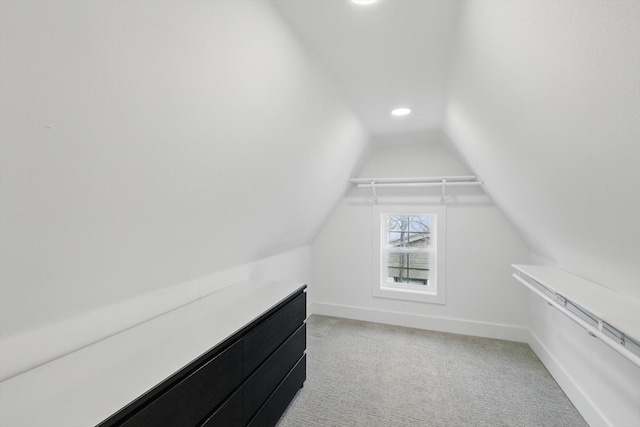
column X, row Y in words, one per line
column 444, row 186
column 375, row 194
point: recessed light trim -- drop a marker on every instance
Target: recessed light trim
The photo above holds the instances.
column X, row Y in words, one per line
column 401, row 111
column 364, row 2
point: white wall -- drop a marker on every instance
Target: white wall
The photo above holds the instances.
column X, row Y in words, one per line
column 149, row 145
column 603, row 385
column 481, row 245
column 544, row 104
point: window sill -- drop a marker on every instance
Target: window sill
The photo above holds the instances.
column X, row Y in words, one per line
column 409, row 295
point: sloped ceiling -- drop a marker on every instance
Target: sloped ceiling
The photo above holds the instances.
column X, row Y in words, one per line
column 390, row 54
column 149, row 144
column 541, row 98
column 544, row 103
column 145, row 144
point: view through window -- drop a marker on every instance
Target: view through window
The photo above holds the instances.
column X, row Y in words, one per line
column 408, row 255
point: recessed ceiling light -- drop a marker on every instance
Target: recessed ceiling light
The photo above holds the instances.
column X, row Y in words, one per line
column 364, row 2
column 400, row 111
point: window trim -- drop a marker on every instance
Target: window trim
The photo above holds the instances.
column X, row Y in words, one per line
column 436, row 292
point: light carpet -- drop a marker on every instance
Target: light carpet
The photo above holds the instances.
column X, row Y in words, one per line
column 369, row 374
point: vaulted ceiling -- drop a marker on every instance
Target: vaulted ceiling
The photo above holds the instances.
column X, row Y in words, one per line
column 541, row 98
column 147, row 144
column 382, row 56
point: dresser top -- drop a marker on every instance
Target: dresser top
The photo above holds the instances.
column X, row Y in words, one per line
column 87, row 386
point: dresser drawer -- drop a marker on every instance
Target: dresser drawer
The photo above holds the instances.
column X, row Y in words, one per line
column 268, row 335
column 267, row 377
column 275, row 406
column 229, row 414
column 188, row 402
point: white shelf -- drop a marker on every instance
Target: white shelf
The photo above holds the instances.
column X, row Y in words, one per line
column 604, row 306
column 88, row 385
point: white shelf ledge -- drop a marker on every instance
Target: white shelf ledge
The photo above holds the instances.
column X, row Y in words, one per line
column 612, row 317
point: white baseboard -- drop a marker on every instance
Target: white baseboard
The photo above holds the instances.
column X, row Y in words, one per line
column 442, row 324
column 587, row 408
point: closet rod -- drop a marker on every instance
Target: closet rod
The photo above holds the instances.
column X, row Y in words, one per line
column 434, row 179
column 591, row 330
column 376, row 184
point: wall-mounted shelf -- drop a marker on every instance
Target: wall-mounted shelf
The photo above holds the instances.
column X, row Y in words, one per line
column 607, row 315
column 413, row 182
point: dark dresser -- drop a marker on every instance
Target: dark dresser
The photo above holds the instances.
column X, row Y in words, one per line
column 247, row 380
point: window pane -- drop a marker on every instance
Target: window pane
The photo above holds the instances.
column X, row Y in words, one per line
column 408, row 268
column 408, row 231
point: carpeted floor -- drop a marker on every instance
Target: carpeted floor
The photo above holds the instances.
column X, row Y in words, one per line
column 369, row 375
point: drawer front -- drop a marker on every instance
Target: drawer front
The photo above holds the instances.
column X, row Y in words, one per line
column 275, row 406
column 188, row 402
column 267, row 377
column 268, row 335
column 229, row 414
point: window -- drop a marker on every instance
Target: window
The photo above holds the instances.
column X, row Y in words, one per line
column 407, row 249
column 410, row 257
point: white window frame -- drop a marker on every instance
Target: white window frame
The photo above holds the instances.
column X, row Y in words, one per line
column 435, row 292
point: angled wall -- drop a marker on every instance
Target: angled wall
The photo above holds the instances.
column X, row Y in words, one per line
column 145, row 146
column 544, row 101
